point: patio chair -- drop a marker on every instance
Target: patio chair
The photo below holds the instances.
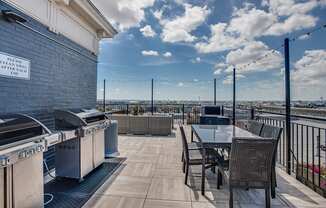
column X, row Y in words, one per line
column 250, row 166
column 255, row 127
column 194, row 156
column 194, row 145
column 275, row 133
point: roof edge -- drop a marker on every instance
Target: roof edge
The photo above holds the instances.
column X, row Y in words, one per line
column 108, row 31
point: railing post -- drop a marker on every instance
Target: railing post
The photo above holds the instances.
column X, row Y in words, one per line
column 215, row 91
column 252, row 113
column 127, row 109
column 287, row 105
column 183, row 113
column 104, row 107
column 233, row 113
column 222, row 110
column 152, row 100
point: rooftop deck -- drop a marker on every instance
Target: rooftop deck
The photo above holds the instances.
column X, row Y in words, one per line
column 151, row 177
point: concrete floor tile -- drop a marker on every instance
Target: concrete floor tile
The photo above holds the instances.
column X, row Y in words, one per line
column 166, row 204
column 114, row 202
column 169, row 189
column 129, row 186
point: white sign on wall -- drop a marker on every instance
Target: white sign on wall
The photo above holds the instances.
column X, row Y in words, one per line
column 14, row 67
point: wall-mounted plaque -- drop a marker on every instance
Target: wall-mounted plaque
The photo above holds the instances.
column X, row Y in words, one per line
column 14, row 67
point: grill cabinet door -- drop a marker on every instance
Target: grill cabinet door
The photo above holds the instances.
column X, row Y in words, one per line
column 98, row 141
column 28, row 182
column 86, row 154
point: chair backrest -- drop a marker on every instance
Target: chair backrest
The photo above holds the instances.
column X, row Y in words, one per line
column 223, row 121
column 251, row 162
column 269, row 131
column 255, row 127
column 274, row 132
column 184, row 143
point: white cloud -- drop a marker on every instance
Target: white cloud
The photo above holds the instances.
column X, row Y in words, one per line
column 123, row 14
column 248, row 23
column 292, row 23
column 219, row 68
column 309, row 70
column 267, row 59
column 179, row 29
column 167, row 54
column 218, row 71
column 220, row 65
column 180, row 84
column 220, row 40
column 289, row 7
column 251, row 22
column 158, row 14
column 303, row 37
column 196, row 60
column 252, row 51
column 150, row 53
column 147, row 31
column 295, row 13
column 179, row 1
column 229, row 78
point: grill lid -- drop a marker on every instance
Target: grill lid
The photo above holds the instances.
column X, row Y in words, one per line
column 90, row 115
column 17, row 127
column 70, row 119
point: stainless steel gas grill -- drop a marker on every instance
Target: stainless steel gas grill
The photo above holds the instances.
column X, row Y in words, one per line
column 76, row 157
column 22, row 142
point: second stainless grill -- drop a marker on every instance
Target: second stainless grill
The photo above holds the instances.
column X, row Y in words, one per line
column 76, row 157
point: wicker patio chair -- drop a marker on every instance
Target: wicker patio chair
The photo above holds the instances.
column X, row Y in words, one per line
column 250, row 166
column 194, row 156
column 255, row 127
column 275, row 133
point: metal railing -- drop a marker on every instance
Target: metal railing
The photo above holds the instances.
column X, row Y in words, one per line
column 182, row 113
column 307, row 147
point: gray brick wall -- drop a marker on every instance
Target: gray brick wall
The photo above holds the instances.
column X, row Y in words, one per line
column 61, row 77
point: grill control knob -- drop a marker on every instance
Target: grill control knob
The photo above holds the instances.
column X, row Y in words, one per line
column 22, row 154
column 39, row 148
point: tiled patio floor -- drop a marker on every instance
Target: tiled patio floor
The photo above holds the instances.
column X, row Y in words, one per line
column 151, row 177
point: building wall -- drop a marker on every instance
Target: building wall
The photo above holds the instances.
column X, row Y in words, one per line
column 59, row 18
column 63, row 73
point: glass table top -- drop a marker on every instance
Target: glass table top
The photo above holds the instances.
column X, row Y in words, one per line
column 220, row 134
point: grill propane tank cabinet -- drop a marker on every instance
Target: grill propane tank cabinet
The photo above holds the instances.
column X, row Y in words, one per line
column 22, row 142
column 77, row 157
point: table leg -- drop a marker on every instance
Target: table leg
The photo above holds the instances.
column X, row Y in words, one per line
column 203, row 173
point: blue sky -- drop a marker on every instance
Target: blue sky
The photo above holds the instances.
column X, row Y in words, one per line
column 183, row 45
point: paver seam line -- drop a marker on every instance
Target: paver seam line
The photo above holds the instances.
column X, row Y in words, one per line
column 152, row 177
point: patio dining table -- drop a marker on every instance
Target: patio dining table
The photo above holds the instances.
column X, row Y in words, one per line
column 216, row 136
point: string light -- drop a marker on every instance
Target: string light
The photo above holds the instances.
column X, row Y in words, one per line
column 309, row 33
column 272, row 51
